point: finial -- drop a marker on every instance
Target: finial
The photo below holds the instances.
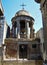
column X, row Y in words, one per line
column 23, row 5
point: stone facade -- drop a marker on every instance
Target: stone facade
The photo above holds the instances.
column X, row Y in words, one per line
column 39, row 34
column 32, row 48
column 43, row 7
column 22, row 45
column 30, row 55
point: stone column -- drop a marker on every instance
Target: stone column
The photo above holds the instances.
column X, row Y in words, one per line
column 18, row 29
column 27, row 29
column 31, row 31
column 13, row 31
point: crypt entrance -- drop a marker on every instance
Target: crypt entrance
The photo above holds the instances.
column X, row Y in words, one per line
column 23, row 51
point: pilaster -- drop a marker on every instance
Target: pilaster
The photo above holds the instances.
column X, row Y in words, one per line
column 31, row 31
column 18, row 29
column 27, row 29
column 13, row 31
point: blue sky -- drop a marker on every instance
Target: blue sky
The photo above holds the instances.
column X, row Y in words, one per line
column 12, row 6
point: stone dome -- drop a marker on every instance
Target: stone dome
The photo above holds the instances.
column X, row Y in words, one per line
column 22, row 12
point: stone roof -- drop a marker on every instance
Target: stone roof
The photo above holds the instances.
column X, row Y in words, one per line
column 22, row 12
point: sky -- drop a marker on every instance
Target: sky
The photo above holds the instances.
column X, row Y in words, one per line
column 12, row 6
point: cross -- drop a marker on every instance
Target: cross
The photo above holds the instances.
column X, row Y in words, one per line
column 23, row 5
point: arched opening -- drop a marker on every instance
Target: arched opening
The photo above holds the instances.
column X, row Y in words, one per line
column 22, row 29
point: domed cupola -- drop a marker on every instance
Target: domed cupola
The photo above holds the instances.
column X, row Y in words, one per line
column 22, row 12
column 22, row 25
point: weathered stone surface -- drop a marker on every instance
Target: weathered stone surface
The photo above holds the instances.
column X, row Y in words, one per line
column 32, row 62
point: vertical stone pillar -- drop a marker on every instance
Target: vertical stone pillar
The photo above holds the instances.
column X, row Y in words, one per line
column 31, row 31
column 13, row 31
column 18, row 29
column 27, row 29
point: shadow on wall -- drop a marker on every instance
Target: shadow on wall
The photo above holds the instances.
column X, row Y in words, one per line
column 8, row 32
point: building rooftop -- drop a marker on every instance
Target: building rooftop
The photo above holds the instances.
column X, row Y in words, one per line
column 22, row 12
